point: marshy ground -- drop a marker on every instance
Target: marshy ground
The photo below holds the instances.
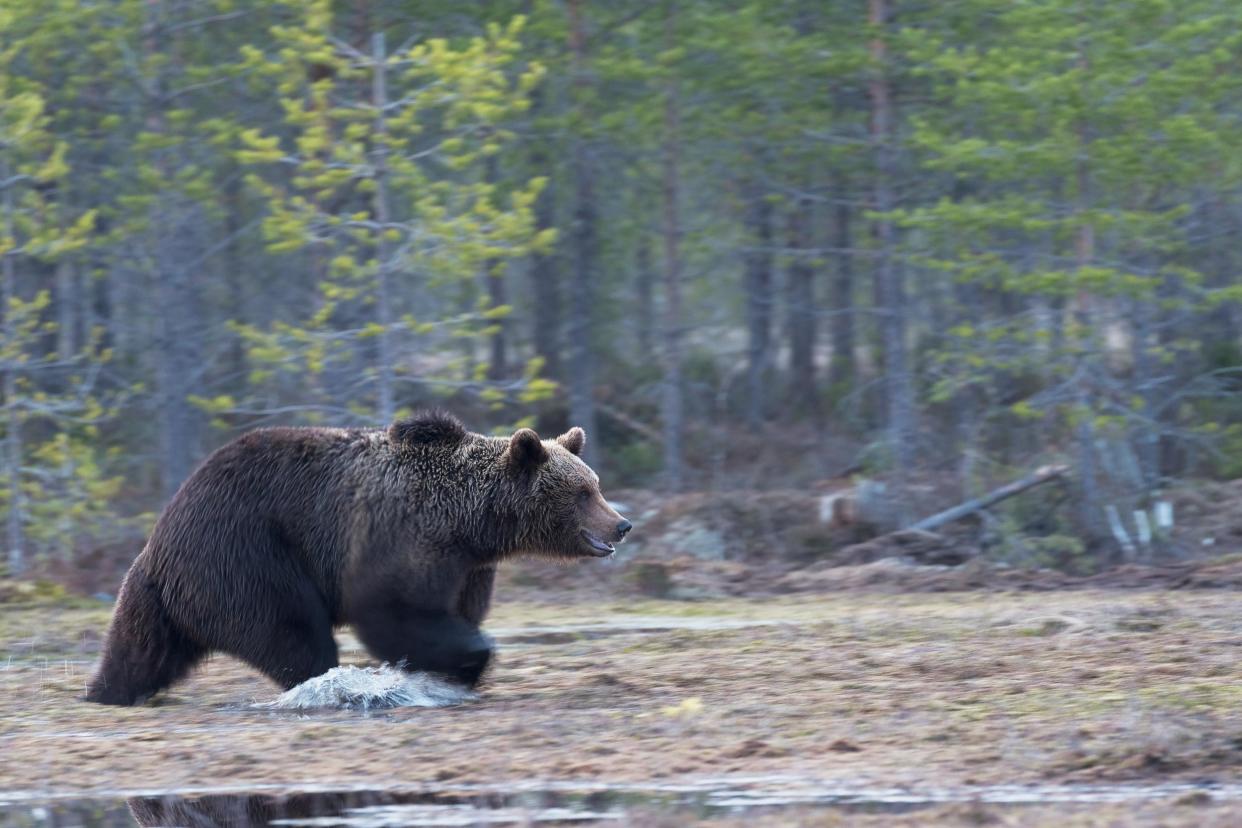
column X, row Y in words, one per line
column 896, row 700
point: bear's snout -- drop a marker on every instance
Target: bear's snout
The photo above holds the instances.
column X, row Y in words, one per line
column 602, row 526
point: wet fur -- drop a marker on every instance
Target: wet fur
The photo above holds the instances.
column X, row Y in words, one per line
column 286, row 533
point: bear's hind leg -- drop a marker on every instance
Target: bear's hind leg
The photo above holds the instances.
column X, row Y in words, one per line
column 144, row 651
column 299, row 645
column 290, row 659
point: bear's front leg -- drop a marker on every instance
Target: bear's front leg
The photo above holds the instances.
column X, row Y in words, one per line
column 403, row 624
column 433, row 642
column 450, row 646
column 476, row 595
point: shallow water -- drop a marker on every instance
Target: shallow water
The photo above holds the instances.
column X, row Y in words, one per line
column 559, row 803
column 370, row 688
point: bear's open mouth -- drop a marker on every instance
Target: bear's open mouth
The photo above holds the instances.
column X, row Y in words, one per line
column 599, row 547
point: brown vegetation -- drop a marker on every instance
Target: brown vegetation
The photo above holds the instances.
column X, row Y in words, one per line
column 945, row 690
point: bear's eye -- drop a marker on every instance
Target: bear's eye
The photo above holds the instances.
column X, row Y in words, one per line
column 584, row 495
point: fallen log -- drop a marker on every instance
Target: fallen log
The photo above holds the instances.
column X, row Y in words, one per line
column 1041, row 475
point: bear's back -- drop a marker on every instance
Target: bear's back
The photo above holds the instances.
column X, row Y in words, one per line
column 272, row 502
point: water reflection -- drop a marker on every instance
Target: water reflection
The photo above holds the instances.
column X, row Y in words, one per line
column 371, row 809
column 571, row 803
column 256, row 809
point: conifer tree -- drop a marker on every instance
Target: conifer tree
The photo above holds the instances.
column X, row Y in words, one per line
column 379, row 168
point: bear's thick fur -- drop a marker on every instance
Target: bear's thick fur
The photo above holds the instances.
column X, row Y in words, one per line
column 286, row 533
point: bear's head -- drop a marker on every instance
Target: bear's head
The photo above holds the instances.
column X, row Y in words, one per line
column 535, row 497
column 560, row 510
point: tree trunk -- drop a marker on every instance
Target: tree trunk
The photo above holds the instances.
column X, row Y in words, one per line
column 172, row 470
column 969, row 404
column 890, row 280
column 180, row 419
column 544, row 269
column 671, row 397
column 384, row 253
column 801, row 312
column 1090, row 504
column 67, row 303
column 14, row 519
column 494, row 274
column 235, row 276
column 841, row 369
column 758, row 307
column 177, row 357
column 99, row 312
column 122, row 327
column 584, row 244
column 1218, row 330
column 16, row 515
column 498, row 341
column 644, row 288
column 177, row 354
column 1146, row 433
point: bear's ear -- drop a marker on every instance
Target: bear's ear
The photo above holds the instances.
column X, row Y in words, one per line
column 525, row 451
column 427, row 428
column 573, row 440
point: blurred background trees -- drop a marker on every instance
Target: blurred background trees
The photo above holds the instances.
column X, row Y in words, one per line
column 745, row 244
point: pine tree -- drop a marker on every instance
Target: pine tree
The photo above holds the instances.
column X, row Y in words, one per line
column 34, row 229
column 1071, row 134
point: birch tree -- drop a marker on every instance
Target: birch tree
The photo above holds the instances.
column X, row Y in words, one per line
column 380, row 166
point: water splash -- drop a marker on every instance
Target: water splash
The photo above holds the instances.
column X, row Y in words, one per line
column 370, row 688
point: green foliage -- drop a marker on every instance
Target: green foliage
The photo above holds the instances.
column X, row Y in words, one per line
column 70, row 493
column 1228, row 454
column 389, row 192
column 1067, row 137
column 229, row 178
column 34, row 225
column 53, row 492
column 635, row 462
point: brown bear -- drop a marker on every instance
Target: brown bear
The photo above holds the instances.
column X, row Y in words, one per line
column 286, row 533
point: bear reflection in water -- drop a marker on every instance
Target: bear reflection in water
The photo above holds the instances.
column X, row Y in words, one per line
column 365, row 809
column 239, row 811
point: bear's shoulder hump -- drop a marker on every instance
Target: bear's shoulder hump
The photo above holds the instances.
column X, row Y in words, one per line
column 435, row 427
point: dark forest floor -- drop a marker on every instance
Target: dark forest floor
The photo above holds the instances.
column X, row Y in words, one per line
column 955, row 691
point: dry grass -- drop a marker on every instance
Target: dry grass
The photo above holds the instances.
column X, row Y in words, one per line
column 921, row 690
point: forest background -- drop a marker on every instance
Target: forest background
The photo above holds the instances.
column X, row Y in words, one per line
column 922, row 248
